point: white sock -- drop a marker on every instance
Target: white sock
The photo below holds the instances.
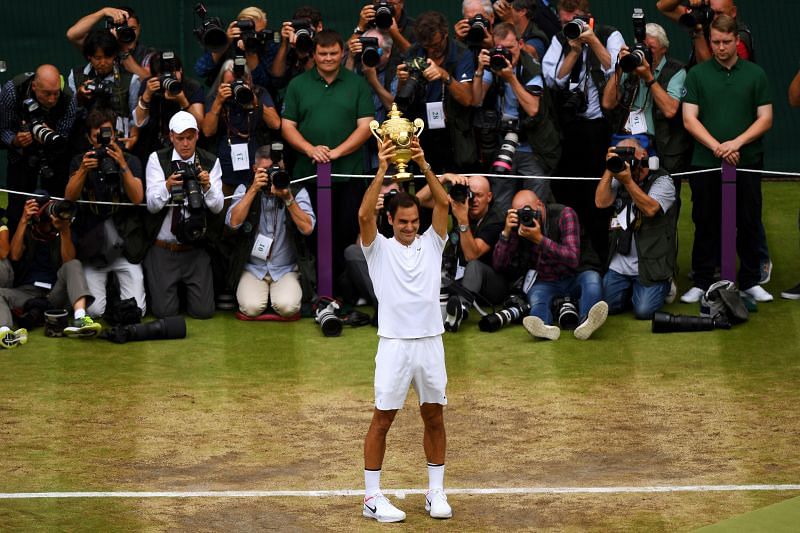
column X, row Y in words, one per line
column 435, row 477
column 372, row 481
column 80, row 313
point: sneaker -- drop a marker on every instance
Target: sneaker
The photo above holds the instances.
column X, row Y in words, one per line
column 792, row 294
column 537, row 328
column 766, row 271
column 83, row 327
column 436, row 504
column 673, row 292
column 758, row 294
column 11, row 339
column 596, row 318
column 693, row 295
column 457, row 312
column 378, row 507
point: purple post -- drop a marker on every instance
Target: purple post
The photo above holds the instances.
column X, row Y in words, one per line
column 324, row 231
column 728, row 230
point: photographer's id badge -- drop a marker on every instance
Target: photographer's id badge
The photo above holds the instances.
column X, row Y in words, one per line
column 435, row 115
column 261, row 247
column 530, row 279
column 240, row 157
column 460, row 271
column 637, row 123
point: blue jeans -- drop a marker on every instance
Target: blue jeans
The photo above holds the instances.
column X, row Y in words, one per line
column 646, row 300
column 586, row 287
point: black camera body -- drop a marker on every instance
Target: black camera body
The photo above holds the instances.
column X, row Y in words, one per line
column 125, row 34
column 211, row 32
column 701, row 15
column 40, row 223
column 371, row 51
column 242, row 94
column 190, row 189
column 255, row 40
column 35, row 115
column 528, row 216
column 640, row 52
column 100, row 87
column 384, row 15
column 515, row 308
column 623, row 154
column 276, row 176
column 167, row 77
column 107, row 167
column 461, row 193
column 478, row 26
column 574, row 28
column 303, row 35
column 498, row 57
column 415, row 85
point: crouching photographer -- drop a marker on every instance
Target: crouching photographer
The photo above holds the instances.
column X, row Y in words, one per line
column 541, row 247
column 106, row 236
column 272, row 266
column 182, row 194
column 643, row 246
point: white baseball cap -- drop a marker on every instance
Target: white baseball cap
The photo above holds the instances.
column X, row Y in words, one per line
column 182, row 121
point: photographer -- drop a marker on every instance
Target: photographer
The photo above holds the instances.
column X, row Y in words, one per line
column 535, row 40
column 259, row 53
column 468, row 257
column 125, row 26
column 103, row 84
column 400, row 27
column 541, row 248
column 36, row 118
column 475, row 29
column 45, row 267
column 165, row 92
column 296, row 52
column 266, row 262
column 107, row 174
column 527, row 118
column 654, row 108
column 180, row 175
column 576, row 67
column 643, row 239
column 238, row 112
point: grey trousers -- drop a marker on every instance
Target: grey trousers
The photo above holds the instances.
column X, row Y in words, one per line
column 166, row 269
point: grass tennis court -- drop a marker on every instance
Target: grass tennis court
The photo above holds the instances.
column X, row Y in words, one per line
column 276, row 406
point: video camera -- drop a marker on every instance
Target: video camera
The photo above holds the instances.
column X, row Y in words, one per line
column 167, row 75
column 243, row 95
column 640, row 52
column 574, row 28
column 35, row 116
column 498, row 57
column 371, row 51
column 701, row 15
column 528, row 216
column 415, row 85
column 125, row 34
column 211, row 31
column 384, row 15
column 303, row 35
column 478, row 26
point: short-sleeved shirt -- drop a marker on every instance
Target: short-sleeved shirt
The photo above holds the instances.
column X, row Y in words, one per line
column 407, row 281
column 728, row 101
column 644, row 97
column 487, row 229
column 327, row 113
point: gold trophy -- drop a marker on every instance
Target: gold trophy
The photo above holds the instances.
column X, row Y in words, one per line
column 400, row 131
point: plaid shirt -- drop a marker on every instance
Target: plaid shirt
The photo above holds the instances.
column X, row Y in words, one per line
column 552, row 260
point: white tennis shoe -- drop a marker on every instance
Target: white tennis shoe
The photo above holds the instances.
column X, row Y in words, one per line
column 379, row 508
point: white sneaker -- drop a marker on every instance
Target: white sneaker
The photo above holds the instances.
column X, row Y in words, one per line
column 759, row 294
column 596, row 318
column 693, row 295
column 436, row 504
column 537, row 328
column 381, row 509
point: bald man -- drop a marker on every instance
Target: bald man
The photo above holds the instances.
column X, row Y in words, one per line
column 468, row 258
column 27, row 103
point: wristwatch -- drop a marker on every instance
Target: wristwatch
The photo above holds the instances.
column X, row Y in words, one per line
column 463, row 228
column 650, row 83
column 358, row 31
column 448, row 80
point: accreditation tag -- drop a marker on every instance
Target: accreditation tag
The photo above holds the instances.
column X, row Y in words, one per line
column 240, row 157
column 261, row 247
column 637, row 123
column 435, row 115
column 530, row 279
column 460, row 271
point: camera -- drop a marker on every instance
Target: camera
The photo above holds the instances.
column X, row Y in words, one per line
column 640, row 52
column 211, row 32
column 565, row 312
column 371, row 52
column 100, row 88
column 527, row 215
column 325, row 316
column 574, row 28
column 702, row 15
column 414, row 86
column 498, row 57
column 173, row 327
column 242, row 93
column 40, row 131
column 384, row 15
column 478, row 26
column 669, row 323
column 515, row 308
column 41, row 226
column 624, row 154
column 168, row 79
column 303, row 35
column 461, row 193
column 190, row 189
column 276, row 176
column 106, row 166
column 503, row 161
column 255, row 40
column 125, row 34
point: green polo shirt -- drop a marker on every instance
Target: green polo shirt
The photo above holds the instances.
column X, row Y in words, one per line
column 728, row 100
column 327, row 114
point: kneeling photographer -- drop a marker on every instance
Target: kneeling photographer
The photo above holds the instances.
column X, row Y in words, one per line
column 107, row 174
column 530, row 144
column 643, row 243
column 272, row 265
column 182, row 195
column 542, row 249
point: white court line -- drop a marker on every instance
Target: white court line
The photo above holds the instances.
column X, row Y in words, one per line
column 400, row 493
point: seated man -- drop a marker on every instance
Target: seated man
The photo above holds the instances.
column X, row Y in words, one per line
column 107, row 174
column 45, row 264
column 468, row 257
column 181, row 175
column 279, row 218
column 643, row 248
column 545, row 241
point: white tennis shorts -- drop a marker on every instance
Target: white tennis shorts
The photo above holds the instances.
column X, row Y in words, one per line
column 400, row 362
